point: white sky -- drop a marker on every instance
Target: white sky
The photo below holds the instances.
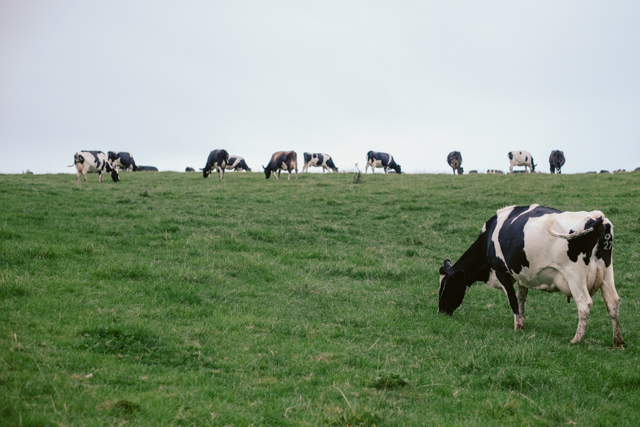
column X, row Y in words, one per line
column 169, row 81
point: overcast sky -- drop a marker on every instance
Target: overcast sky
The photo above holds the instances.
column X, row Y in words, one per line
column 169, row 81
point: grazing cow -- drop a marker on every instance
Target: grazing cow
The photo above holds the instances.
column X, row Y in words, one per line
column 521, row 158
column 282, row 160
column 217, row 159
column 604, row 171
column 147, row 169
column 538, row 248
column 381, row 160
column 473, row 171
column 619, row 171
column 455, row 160
column 237, row 163
column 495, row 172
column 318, row 160
column 189, row 169
column 556, row 161
column 94, row 161
column 121, row 159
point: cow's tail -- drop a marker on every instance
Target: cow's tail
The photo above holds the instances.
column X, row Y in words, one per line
column 574, row 234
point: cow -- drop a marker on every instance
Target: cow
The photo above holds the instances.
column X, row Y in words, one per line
column 94, row 161
column 189, row 169
column 473, row 171
column 556, row 161
column 121, row 159
column 455, row 160
column 217, row 159
column 237, row 163
column 318, row 160
column 381, row 160
column 521, row 158
column 282, row 160
column 147, row 169
column 495, row 172
column 538, row 248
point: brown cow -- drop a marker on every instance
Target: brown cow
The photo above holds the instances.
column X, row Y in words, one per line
column 282, row 160
column 455, row 160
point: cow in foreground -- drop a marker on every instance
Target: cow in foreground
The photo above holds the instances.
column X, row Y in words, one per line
column 122, row 160
column 538, row 248
column 282, row 160
column 455, row 160
column 94, row 161
column 217, row 159
column 521, row 158
column 381, row 160
column 318, row 160
column 237, row 163
column 556, row 161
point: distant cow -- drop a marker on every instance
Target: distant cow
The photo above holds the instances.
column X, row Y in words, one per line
column 538, row 248
column 381, row 160
column 94, row 161
column 318, row 160
column 282, row 160
column 147, row 169
column 495, row 172
column 237, row 163
column 455, row 160
column 217, row 159
column 189, row 169
column 556, row 161
column 123, row 160
column 521, row 158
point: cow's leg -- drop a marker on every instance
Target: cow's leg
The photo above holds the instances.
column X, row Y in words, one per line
column 559, row 172
column 612, row 301
column 507, row 283
column 366, row 166
column 580, row 294
column 289, row 175
column 511, row 168
column 522, row 299
column 305, row 168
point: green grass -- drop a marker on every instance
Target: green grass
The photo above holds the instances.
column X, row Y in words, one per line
column 168, row 299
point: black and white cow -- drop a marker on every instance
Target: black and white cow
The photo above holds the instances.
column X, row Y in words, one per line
column 122, row 160
column 282, row 160
column 147, row 169
column 521, row 158
column 94, row 161
column 495, row 172
column 381, row 160
column 237, row 163
column 189, row 169
column 318, row 160
column 538, row 248
column 556, row 161
column 455, row 160
column 217, row 159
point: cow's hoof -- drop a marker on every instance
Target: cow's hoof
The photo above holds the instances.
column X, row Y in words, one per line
column 618, row 344
column 575, row 340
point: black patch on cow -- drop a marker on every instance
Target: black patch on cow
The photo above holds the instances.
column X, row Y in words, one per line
column 510, row 156
column 511, row 235
column 320, row 159
column 232, row 160
column 331, row 165
column 307, row 157
column 585, row 244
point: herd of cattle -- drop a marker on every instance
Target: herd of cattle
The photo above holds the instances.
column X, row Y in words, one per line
column 532, row 246
column 96, row 161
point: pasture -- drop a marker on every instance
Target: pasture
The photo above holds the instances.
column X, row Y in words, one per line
column 168, row 299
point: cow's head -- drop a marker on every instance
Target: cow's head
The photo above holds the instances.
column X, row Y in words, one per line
column 113, row 171
column 397, row 168
column 533, row 165
column 460, row 170
column 111, row 155
column 206, row 173
column 267, row 172
column 452, row 289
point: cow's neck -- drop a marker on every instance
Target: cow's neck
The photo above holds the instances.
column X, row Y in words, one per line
column 474, row 264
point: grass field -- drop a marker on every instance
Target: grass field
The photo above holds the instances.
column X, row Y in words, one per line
column 168, row 299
